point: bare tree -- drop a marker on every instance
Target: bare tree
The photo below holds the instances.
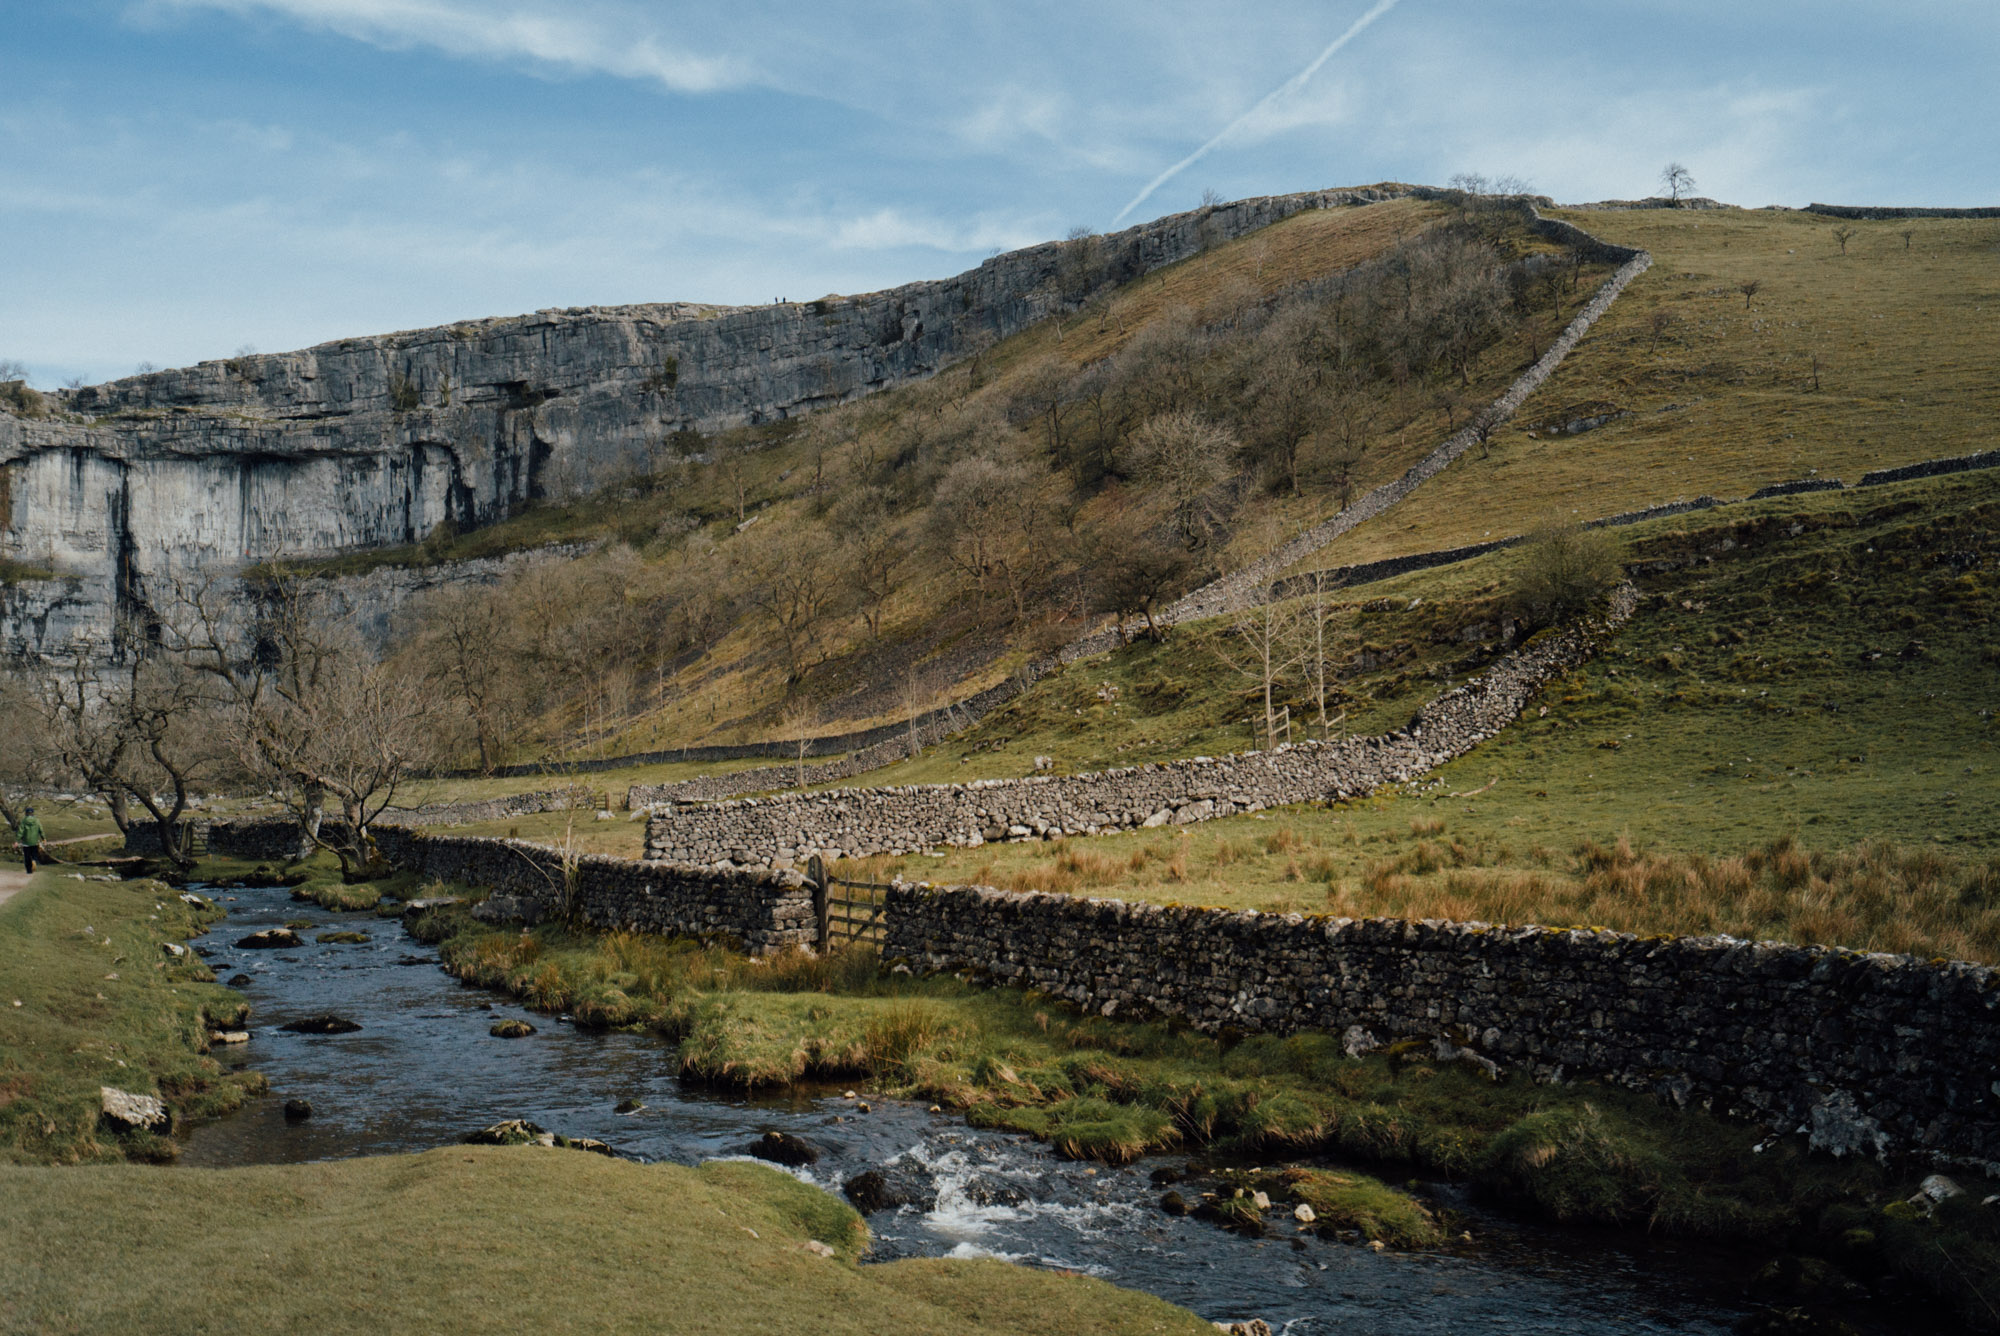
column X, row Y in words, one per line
column 138, row 732
column 1844, row 235
column 1656, row 325
column 1133, row 572
column 1906, row 234
column 467, row 657
column 1316, row 624
column 1186, row 454
column 795, row 579
column 875, row 552
column 314, row 715
column 1079, row 264
column 1261, row 644
column 1678, row 180
column 1749, row 288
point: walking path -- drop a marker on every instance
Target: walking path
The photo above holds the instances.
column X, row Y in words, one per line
column 11, row 880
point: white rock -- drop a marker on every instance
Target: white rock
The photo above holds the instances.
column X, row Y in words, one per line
column 130, row 1110
column 1304, row 1214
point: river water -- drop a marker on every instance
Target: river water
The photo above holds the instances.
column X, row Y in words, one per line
column 423, row 1070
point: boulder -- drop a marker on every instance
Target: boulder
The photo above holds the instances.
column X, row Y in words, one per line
column 784, row 1148
column 889, row 1189
column 325, row 1023
column 228, row 1036
column 240, row 981
column 511, row 1029
column 129, row 1112
column 298, row 1110
column 270, row 939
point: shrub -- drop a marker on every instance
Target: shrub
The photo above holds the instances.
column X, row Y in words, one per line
column 1566, row 569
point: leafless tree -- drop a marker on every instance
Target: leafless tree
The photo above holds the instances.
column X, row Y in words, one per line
column 1079, row 264
column 1316, row 624
column 1658, row 324
column 138, row 731
column 1133, row 572
column 313, row 714
column 466, row 654
column 794, row 576
column 1843, row 235
column 875, row 552
column 1261, row 645
column 1906, row 234
column 1750, row 288
column 1678, row 180
column 1186, row 454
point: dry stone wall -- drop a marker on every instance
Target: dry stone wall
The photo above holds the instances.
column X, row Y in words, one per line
column 761, row 911
column 779, row 831
column 1870, row 1053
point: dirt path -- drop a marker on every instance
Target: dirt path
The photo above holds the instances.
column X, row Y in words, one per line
column 12, row 879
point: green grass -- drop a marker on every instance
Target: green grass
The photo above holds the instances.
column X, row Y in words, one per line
column 78, row 1028
column 474, row 1239
column 1113, row 1090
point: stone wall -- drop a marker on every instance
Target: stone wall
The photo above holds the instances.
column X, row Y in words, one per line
column 1870, row 1052
column 1867, row 211
column 778, row 831
column 760, row 911
column 490, row 809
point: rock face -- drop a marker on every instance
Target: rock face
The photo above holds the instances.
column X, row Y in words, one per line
column 376, row 441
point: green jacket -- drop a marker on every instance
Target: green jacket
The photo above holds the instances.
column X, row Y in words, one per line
column 31, row 831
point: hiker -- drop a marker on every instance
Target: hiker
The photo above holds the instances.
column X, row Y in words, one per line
column 29, row 837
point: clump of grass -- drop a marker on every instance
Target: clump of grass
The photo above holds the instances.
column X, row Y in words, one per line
column 1348, row 1201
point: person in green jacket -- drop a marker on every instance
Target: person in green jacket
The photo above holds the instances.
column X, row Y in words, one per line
column 29, row 837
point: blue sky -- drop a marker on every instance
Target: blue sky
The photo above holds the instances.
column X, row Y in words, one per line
column 186, row 177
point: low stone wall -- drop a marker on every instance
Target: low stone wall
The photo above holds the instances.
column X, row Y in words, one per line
column 1869, row 211
column 778, row 831
column 1933, row 468
column 490, row 809
column 760, row 911
column 1871, row 1052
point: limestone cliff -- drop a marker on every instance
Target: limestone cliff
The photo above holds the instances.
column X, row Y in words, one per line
column 370, row 442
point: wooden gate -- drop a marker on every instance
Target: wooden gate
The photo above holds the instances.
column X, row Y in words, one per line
column 849, row 911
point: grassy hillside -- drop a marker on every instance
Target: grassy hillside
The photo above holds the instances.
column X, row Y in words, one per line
column 1818, row 668
column 845, row 569
column 1721, row 389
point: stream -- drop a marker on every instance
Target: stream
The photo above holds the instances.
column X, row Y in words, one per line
column 423, row 1070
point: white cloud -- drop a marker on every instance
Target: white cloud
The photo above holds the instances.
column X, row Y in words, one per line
column 575, row 38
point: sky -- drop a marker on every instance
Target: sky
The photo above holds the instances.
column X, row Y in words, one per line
column 183, row 179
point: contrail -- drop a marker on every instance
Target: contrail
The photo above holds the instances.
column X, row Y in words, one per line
column 1291, row 85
